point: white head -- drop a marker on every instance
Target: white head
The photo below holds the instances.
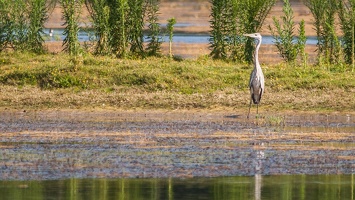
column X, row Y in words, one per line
column 254, row 35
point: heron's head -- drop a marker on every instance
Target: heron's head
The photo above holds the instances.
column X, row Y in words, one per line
column 254, row 35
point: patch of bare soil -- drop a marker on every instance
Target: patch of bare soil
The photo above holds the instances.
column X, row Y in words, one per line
column 91, row 144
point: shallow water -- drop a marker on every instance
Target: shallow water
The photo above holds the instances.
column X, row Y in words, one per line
column 175, row 155
column 286, row 187
column 54, row 145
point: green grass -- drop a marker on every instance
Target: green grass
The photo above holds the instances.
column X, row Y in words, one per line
column 164, row 83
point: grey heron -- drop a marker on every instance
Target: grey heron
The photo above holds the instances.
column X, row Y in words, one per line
column 256, row 82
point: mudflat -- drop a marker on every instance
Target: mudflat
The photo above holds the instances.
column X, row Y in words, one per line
column 51, row 144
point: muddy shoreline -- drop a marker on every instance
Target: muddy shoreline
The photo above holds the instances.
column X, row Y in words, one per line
column 41, row 145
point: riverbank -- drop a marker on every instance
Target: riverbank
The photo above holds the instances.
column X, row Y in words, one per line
column 58, row 81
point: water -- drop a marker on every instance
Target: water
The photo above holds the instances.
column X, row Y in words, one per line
column 175, row 155
column 177, row 38
column 286, row 187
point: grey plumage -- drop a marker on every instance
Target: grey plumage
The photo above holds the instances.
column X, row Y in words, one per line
column 256, row 83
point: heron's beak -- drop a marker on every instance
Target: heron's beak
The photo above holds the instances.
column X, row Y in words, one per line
column 248, row 35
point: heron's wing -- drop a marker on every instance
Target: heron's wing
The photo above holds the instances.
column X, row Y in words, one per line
column 256, row 89
column 262, row 81
column 252, row 77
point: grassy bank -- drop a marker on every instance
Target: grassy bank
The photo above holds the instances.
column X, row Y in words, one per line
column 57, row 81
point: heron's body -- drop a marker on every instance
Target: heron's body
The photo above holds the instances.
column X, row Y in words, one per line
column 256, row 83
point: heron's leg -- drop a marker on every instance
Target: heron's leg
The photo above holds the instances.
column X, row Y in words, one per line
column 249, row 109
column 257, row 108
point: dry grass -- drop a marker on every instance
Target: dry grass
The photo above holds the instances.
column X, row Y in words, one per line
column 30, row 97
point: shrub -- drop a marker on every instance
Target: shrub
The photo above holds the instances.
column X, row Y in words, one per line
column 13, row 25
column 328, row 43
column 136, row 24
column 347, row 18
column 170, row 27
column 252, row 18
column 154, row 38
column 37, row 16
column 288, row 46
column 229, row 20
column 119, row 27
column 71, row 12
column 218, row 37
column 100, row 13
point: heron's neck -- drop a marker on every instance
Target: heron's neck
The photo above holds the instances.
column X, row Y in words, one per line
column 256, row 57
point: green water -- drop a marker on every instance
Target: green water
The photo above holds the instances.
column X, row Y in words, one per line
column 325, row 187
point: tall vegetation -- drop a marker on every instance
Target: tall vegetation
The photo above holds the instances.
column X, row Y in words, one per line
column 154, row 38
column 283, row 33
column 100, row 13
column 253, row 17
column 170, row 27
column 21, row 24
column 136, row 25
column 218, row 37
column 13, row 25
column 230, row 18
column 5, row 24
column 329, row 49
column 71, row 13
column 119, row 28
column 347, row 21
column 37, row 17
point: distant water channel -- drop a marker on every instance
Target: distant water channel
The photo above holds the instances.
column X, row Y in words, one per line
column 285, row 187
column 57, row 35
